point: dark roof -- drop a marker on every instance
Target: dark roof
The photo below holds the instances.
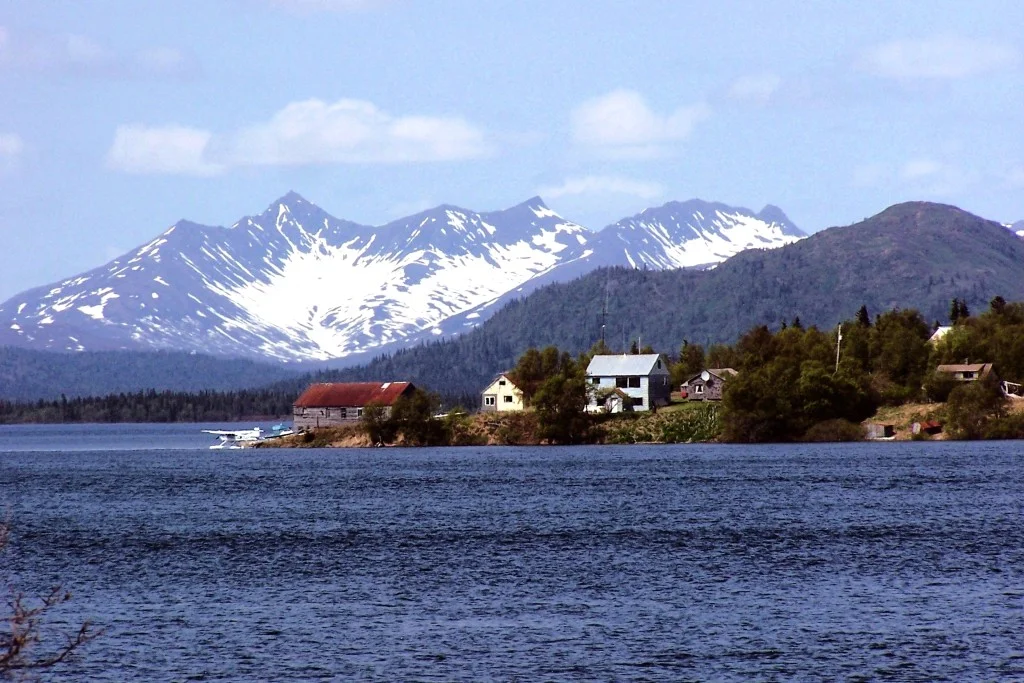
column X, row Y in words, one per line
column 720, row 373
column 983, row 368
column 351, row 394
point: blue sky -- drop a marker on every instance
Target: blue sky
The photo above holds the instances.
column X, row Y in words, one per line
column 120, row 117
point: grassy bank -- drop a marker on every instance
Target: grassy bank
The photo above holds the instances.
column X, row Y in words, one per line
column 683, row 423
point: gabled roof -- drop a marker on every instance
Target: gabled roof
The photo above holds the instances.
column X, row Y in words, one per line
column 351, row 394
column 940, row 332
column 504, row 376
column 982, row 368
column 719, row 373
column 625, row 364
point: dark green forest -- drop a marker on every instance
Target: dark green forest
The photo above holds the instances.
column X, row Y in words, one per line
column 154, row 406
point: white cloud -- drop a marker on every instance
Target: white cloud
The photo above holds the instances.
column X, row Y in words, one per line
column 161, row 149
column 351, row 131
column 603, row 185
column 85, row 53
column 168, row 61
column 755, row 88
column 937, row 58
column 78, row 55
column 923, row 177
column 302, row 133
column 621, row 124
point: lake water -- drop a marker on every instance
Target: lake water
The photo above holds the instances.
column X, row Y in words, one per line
column 835, row 562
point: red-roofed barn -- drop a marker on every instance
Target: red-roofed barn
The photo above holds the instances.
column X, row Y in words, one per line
column 326, row 405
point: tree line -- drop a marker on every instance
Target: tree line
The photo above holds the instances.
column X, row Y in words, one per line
column 154, row 406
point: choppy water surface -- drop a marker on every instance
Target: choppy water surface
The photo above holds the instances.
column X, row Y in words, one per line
column 863, row 562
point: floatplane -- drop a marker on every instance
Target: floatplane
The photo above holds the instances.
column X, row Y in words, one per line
column 246, row 438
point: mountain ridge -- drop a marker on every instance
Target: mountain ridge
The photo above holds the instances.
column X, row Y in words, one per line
column 295, row 283
column 914, row 255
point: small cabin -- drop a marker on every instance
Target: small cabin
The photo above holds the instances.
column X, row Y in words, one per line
column 338, row 403
column 502, row 395
column 708, row 384
column 967, row 372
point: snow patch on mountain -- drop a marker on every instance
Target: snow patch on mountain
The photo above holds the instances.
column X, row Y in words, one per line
column 294, row 283
column 691, row 234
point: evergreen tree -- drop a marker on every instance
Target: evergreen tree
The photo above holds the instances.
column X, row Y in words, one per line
column 863, row 319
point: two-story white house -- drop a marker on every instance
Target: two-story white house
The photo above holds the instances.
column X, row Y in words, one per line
column 643, row 378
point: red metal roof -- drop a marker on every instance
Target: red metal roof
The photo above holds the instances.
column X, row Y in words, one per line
column 351, row 394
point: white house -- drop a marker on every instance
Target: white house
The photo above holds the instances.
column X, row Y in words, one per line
column 502, row 395
column 644, row 378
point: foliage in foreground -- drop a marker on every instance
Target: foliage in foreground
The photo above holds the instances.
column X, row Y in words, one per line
column 693, row 423
column 20, row 641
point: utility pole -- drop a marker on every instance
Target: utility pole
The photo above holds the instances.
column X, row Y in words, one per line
column 839, row 340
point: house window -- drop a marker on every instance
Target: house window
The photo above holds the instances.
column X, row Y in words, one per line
column 634, row 382
column 968, row 375
column 595, row 380
column 343, row 413
column 508, row 399
column 359, row 412
column 699, row 389
column 658, row 364
column 501, row 382
column 638, row 401
column 622, row 382
column 488, row 400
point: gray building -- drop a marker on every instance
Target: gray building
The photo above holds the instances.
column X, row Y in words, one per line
column 708, row 384
column 643, row 378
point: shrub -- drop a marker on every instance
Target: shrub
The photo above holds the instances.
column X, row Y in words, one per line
column 939, row 385
column 1009, row 427
column 972, row 406
column 834, row 431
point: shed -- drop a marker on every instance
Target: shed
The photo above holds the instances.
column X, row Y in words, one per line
column 338, row 403
column 880, row 431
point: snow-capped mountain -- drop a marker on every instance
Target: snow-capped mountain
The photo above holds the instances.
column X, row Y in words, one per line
column 295, row 283
column 690, row 234
column 1018, row 228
